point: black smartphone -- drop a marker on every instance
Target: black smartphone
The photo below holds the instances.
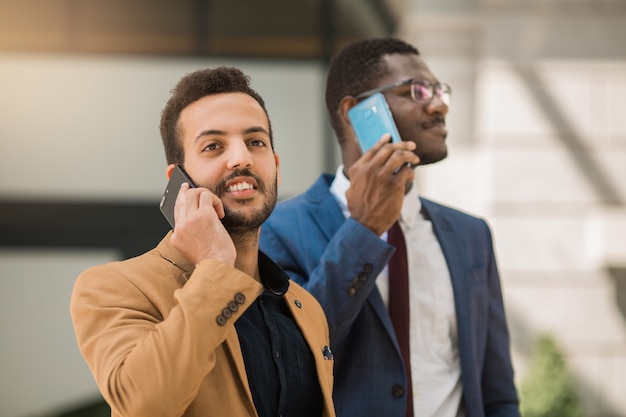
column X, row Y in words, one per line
column 179, row 176
column 371, row 119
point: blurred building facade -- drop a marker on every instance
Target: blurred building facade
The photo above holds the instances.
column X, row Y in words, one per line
column 537, row 146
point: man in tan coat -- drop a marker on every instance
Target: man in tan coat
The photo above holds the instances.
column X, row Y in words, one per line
column 205, row 324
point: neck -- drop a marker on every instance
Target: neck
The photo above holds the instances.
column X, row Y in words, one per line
column 247, row 246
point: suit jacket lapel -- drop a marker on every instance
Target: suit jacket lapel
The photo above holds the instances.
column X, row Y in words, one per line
column 455, row 255
column 233, row 348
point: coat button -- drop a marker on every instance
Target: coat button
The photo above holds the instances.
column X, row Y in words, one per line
column 298, row 303
column 351, row 291
column 397, row 390
column 227, row 313
column 221, row 320
column 368, row 268
column 240, row 298
column 233, row 306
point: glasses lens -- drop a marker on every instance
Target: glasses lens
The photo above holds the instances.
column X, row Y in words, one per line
column 422, row 91
column 444, row 91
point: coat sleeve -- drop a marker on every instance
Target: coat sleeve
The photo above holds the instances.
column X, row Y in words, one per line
column 149, row 337
column 498, row 387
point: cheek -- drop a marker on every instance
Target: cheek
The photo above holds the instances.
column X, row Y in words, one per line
column 408, row 126
column 205, row 174
column 407, row 116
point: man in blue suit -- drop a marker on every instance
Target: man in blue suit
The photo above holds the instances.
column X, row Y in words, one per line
column 333, row 241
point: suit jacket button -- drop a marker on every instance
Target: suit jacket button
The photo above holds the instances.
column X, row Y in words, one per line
column 233, row 306
column 397, row 390
column 298, row 303
column 240, row 298
column 368, row 267
column 351, row 291
column 221, row 320
column 227, row 313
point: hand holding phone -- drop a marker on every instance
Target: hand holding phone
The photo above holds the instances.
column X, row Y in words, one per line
column 178, row 177
column 204, row 238
column 371, row 119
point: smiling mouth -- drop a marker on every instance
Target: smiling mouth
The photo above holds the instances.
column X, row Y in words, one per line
column 240, row 186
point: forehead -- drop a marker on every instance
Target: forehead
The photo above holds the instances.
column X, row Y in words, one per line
column 221, row 110
column 402, row 67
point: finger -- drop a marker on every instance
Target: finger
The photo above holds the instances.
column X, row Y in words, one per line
column 181, row 203
column 384, row 139
column 393, row 156
column 208, row 199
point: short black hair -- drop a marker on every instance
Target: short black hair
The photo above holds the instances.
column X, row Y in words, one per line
column 357, row 68
column 192, row 87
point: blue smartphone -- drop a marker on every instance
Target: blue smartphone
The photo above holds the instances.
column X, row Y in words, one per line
column 371, row 119
column 179, row 176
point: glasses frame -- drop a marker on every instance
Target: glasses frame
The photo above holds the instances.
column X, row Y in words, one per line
column 438, row 89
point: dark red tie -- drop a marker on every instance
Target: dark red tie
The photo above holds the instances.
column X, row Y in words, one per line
column 399, row 304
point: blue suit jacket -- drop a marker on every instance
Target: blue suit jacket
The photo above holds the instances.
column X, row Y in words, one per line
column 310, row 238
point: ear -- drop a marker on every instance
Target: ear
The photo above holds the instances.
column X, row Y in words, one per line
column 346, row 104
column 350, row 149
column 169, row 170
column 277, row 159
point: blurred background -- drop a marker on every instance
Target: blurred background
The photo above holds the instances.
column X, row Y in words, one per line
column 537, row 146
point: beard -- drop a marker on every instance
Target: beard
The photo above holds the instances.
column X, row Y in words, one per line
column 237, row 222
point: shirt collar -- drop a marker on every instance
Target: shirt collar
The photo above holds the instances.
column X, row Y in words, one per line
column 411, row 206
column 273, row 277
column 338, row 189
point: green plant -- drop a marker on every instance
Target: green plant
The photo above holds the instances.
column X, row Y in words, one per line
column 548, row 388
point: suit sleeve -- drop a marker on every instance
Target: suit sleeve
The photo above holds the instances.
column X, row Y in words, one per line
column 340, row 273
column 499, row 393
column 148, row 360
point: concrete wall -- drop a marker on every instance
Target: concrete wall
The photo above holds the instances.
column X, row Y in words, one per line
column 538, row 146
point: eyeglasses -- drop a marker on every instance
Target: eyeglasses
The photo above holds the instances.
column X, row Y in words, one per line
column 422, row 91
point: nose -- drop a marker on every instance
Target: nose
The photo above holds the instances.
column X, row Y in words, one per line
column 239, row 156
column 437, row 105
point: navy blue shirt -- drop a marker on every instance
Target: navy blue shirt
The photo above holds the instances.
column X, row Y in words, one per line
column 279, row 364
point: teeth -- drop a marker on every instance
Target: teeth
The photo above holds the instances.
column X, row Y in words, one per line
column 240, row 186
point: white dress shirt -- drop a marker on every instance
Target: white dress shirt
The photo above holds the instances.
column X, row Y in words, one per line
column 435, row 366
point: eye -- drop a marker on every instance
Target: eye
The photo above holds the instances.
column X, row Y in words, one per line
column 211, row 147
column 257, row 142
column 422, row 92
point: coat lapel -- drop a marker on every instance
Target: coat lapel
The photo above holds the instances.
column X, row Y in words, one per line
column 455, row 255
column 233, row 349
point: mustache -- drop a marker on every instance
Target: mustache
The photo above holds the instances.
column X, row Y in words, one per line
column 434, row 121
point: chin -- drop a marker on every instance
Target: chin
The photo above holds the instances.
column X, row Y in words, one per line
column 427, row 158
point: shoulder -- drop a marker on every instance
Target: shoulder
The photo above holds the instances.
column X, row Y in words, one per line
column 318, row 192
column 436, row 211
column 303, row 208
column 140, row 273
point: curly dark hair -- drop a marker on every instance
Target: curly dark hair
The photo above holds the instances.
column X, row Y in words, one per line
column 192, row 87
column 358, row 67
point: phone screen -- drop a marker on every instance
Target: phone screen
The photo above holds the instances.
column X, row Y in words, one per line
column 179, row 176
column 371, row 119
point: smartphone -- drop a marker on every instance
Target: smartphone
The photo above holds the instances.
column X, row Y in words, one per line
column 371, row 119
column 179, row 176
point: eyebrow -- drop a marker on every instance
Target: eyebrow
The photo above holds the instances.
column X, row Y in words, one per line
column 253, row 129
